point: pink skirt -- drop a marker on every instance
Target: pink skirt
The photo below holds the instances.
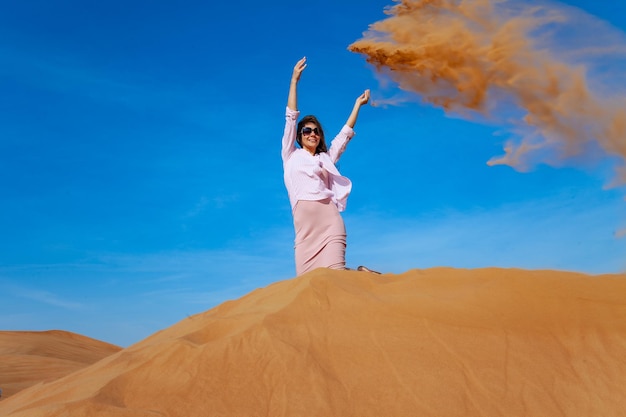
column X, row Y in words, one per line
column 320, row 236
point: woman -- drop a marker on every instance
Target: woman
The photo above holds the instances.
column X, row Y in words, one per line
column 317, row 191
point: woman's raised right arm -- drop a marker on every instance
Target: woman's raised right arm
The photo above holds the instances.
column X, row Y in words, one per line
column 292, row 100
column 291, row 116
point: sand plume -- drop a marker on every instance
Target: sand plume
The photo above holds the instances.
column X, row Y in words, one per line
column 437, row 342
column 511, row 63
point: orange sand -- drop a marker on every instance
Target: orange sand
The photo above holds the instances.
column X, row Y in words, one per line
column 27, row 358
column 438, row 342
column 496, row 58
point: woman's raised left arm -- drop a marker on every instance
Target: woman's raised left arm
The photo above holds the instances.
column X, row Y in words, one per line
column 360, row 101
column 338, row 145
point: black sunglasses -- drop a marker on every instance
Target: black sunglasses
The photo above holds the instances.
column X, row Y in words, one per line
column 308, row 130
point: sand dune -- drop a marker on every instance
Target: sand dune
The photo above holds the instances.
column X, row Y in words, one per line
column 27, row 358
column 437, row 342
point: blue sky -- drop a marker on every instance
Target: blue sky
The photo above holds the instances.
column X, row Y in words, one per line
column 141, row 178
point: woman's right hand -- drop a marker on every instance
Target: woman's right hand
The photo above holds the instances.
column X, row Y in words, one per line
column 297, row 70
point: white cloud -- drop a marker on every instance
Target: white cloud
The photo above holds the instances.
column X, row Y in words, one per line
column 40, row 296
column 557, row 234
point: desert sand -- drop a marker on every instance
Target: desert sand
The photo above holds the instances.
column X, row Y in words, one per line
column 27, row 358
column 437, row 342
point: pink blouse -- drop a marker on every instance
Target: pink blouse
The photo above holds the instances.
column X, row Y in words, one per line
column 314, row 177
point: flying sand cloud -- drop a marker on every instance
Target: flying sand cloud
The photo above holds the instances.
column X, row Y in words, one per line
column 514, row 64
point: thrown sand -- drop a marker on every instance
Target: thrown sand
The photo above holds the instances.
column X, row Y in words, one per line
column 438, row 342
column 27, row 358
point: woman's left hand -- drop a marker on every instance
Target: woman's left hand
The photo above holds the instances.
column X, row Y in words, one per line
column 363, row 98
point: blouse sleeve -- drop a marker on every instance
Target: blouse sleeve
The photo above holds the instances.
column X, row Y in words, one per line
column 289, row 135
column 338, row 145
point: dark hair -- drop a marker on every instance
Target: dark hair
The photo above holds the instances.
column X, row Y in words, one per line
column 321, row 147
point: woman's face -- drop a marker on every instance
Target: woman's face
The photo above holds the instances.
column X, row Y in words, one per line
column 310, row 137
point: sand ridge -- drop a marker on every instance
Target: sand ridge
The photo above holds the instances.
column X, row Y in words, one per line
column 27, row 357
column 436, row 342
